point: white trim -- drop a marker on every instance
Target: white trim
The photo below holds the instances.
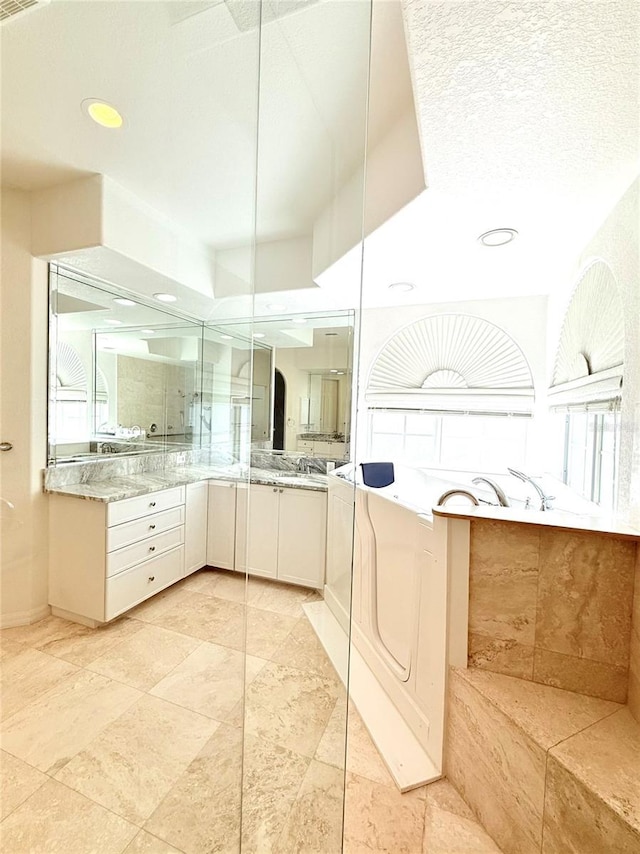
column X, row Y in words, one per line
column 24, row 618
column 596, row 388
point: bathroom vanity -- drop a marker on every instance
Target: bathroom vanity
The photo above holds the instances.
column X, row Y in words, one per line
column 109, row 553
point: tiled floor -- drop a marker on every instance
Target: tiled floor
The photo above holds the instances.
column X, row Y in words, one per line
column 130, row 738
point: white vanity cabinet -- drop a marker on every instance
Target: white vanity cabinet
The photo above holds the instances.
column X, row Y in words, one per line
column 221, row 525
column 281, row 533
column 106, row 558
column 197, row 500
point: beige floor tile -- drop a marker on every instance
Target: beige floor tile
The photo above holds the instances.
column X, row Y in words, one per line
column 450, row 826
column 145, row 658
column 201, row 812
column 363, row 758
column 132, row 765
column 208, row 618
column 272, row 777
column 27, row 675
column 56, row 820
column 302, row 649
column 210, row 681
column 17, row 782
column 314, row 825
column 159, row 604
column 9, row 648
column 145, row 843
column 53, row 729
column 223, row 584
column 75, row 643
column 381, row 819
column 286, row 599
column 289, row 707
column 266, row 631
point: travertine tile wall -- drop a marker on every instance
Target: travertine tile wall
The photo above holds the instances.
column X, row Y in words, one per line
column 634, row 658
column 553, row 606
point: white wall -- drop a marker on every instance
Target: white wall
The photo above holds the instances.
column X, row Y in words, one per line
column 23, row 406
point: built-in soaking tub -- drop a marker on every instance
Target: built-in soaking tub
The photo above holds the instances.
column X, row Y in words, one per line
column 399, row 592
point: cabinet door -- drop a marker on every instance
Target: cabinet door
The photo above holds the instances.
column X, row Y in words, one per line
column 221, row 534
column 302, row 533
column 196, row 527
column 262, row 531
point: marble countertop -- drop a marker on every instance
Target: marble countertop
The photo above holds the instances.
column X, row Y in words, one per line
column 119, row 487
column 549, row 518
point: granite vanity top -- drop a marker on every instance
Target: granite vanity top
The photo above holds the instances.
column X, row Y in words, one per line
column 118, row 487
column 550, row 518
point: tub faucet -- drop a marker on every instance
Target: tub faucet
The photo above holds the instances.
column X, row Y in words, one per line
column 545, row 500
column 447, row 495
column 503, row 501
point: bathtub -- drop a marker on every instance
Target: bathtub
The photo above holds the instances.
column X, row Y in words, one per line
column 397, row 597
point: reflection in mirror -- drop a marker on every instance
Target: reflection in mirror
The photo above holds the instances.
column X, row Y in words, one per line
column 301, row 381
column 125, row 377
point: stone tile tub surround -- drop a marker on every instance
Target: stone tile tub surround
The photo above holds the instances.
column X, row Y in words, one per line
column 554, row 607
column 545, row 770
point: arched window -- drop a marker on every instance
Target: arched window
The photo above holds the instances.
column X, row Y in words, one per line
column 436, row 387
column 586, row 388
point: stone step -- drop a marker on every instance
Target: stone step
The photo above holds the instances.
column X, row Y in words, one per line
column 544, row 769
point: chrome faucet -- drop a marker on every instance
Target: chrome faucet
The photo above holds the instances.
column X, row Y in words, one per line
column 545, row 500
column 450, row 492
column 503, row 501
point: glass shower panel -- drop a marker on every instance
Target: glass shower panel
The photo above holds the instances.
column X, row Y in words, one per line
column 314, row 64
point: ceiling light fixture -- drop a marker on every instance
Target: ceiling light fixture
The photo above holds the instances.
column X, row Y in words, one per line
column 165, row 297
column 123, row 301
column 498, row 236
column 102, row 113
column 403, row 287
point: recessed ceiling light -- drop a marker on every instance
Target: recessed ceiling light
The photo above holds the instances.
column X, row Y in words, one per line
column 227, row 337
column 148, row 331
column 123, row 301
column 258, row 334
column 299, row 319
column 401, row 286
column 102, row 113
column 276, row 306
column 165, row 297
column 114, row 322
column 498, row 236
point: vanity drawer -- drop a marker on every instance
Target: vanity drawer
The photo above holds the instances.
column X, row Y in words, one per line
column 141, row 505
column 129, row 556
column 122, row 535
column 128, row 588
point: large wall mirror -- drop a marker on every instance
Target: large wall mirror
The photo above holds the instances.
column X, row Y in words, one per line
column 124, row 377
column 301, row 382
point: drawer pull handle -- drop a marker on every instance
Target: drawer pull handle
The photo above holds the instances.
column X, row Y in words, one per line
column 152, row 578
column 152, row 548
column 152, row 504
column 152, row 527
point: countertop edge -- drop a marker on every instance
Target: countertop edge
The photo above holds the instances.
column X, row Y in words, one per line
column 548, row 519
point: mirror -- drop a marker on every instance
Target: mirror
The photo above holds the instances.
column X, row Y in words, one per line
column 301, row 381
column 124, row 377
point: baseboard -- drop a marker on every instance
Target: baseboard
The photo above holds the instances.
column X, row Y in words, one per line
column 24, row 618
